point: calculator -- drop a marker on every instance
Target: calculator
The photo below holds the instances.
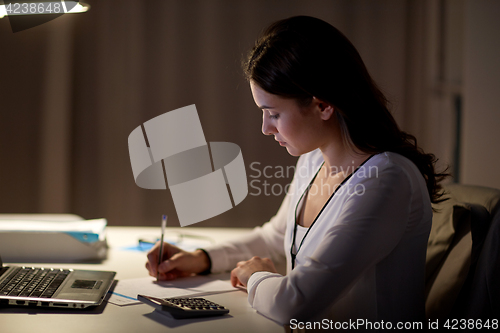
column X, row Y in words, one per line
column 181, row 308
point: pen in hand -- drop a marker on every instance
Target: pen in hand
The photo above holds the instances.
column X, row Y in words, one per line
column 163, row 225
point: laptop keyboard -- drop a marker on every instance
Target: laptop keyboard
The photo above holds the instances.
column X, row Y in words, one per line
column 33, row 282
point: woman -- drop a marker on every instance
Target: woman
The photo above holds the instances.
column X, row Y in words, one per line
column 354, row 225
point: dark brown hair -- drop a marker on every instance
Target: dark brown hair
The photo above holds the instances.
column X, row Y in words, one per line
column 304, row 57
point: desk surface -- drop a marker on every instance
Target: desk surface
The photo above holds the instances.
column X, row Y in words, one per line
column 138, row 318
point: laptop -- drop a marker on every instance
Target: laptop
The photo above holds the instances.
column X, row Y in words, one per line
column 53, row 287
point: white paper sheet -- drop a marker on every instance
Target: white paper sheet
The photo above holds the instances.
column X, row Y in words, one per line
column 126, row 291
column 96, row 226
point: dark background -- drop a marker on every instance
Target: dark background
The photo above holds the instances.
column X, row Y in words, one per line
column 74, row 88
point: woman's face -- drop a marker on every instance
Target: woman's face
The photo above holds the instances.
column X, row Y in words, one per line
column 297, row 128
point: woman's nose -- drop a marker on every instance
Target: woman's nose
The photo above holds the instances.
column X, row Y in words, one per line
column 267, row 127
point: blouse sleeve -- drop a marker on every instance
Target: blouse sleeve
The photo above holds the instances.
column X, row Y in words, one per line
column 368, row 228
column 265, row 241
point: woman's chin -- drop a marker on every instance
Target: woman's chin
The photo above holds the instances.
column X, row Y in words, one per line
column 292, row 151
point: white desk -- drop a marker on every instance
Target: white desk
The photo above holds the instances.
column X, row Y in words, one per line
column 137, row 318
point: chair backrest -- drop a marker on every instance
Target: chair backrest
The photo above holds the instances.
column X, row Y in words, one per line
column 463, row 255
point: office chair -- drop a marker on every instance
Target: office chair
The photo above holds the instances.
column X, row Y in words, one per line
column 463, row 255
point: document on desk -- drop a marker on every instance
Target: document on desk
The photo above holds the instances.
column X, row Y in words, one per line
column 126, row 291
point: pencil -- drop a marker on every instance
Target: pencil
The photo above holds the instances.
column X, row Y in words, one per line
column 163, row 226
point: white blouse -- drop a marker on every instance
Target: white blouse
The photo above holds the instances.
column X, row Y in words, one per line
column 363, row 258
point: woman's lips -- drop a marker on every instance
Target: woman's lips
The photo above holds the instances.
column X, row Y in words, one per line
column 282, row 143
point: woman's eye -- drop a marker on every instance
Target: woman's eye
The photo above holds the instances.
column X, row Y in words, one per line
column 274, row 116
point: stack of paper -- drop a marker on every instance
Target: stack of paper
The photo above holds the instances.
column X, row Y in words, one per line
column 42, row 240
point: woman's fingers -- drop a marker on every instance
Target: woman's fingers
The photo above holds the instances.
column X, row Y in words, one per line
column 148, row 267
column 154, row 253
column 234, row 278
column 152, row 263
column 174, row 263
column 244, row 269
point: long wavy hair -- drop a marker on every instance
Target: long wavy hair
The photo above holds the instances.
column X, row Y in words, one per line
column 304, row 57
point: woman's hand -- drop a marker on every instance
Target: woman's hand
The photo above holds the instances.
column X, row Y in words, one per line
column 175, row 263
column 244, row 269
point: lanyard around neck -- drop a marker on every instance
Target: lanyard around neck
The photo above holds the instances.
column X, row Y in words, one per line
column 294, row 255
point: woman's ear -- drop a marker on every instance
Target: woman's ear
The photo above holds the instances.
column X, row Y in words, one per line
column 325, row 109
